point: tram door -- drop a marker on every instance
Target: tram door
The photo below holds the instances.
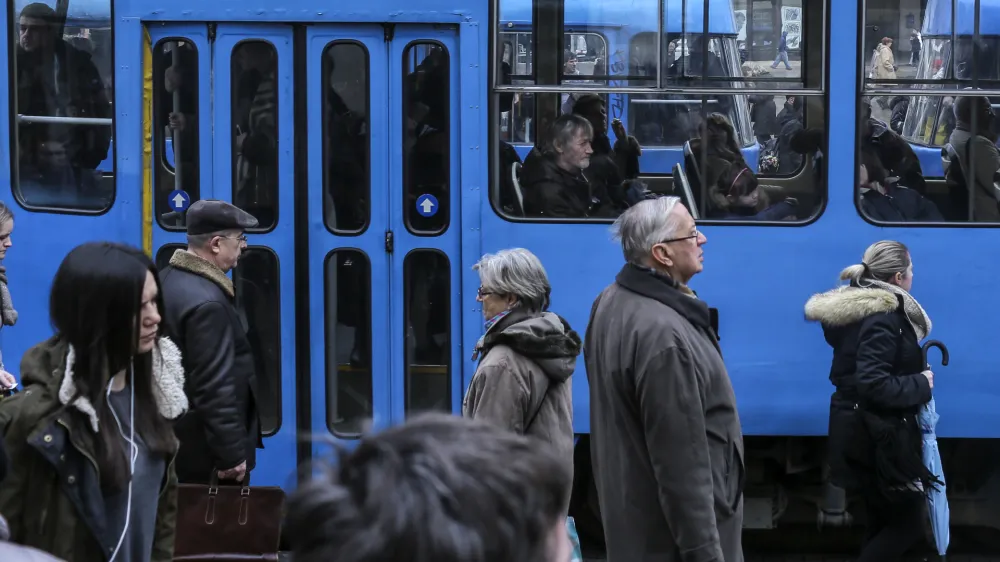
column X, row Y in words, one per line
column 381, row 139
column 222, row 128
column 384, row 224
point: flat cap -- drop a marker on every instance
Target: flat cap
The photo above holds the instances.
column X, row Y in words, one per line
column 206, row 216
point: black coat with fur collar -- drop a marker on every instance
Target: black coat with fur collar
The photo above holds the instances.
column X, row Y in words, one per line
column 876, row 369
column 222, row 429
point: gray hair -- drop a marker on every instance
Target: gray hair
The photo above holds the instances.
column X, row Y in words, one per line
column 516, row 272
column 881, row 262
column 202, row 240
column 644, row 225
column 6, row 214
column 562, row 132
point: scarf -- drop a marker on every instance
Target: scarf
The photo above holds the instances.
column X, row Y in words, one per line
column 914, row 312
column 489, row 324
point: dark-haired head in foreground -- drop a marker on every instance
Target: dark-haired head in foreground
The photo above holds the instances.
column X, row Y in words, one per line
column 436, row 489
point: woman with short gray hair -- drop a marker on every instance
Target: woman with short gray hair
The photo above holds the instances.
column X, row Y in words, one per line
column 527, row 355
column 874, row 326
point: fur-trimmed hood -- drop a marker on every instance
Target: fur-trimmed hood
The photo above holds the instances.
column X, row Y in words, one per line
column 846, row 305
column 58, row 359
column 546, row 339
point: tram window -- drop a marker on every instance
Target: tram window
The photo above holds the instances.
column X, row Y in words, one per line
column 164, row 254
column 175, row 127
column 731, row 155
column 934, row 157
column 258, row 302
column 255, row 131
column 62, row 105
column 585, row 61
column 346, row 162
column 426, row 137
column 348, row 342
column 427, row 321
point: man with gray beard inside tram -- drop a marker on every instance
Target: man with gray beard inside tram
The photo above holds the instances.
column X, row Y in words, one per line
column 666, row 441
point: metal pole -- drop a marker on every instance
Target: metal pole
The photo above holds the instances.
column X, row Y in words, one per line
column 176, row 65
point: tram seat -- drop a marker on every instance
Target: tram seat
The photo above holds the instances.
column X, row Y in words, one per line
column 682, row 189
column 515, row 174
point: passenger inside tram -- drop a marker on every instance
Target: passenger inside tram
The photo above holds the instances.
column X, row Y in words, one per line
column 974, row 143
column 716, row 166
column 55, row 79
column 885, row 198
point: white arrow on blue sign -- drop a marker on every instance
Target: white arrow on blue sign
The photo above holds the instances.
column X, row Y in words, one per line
column 427, row 205
column 178, row 200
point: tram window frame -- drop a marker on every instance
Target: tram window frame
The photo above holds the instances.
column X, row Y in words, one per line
column 332, row 426
column 163, row 171
column 811, row 83
column 445, row 212
column 327, row 149
column 529, row 79
column 926, row 97
column 234, row 188
column 275, row 322
column 409, row 359
column 103, row 178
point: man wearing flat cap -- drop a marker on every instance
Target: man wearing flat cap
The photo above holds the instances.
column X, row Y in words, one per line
column 221, row 431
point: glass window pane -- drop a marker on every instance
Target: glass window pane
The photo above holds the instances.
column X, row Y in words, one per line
column 348, row 342
column 62, row 104
column 427, row 320
column 166, row 252
column 175, row 127
column 426, row 137
column 346, row 163
column 255, row 131
column 258, row 302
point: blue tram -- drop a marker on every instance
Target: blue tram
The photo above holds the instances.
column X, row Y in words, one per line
column 381, row 192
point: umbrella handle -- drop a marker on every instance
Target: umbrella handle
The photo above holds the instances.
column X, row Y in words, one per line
column 940, row 345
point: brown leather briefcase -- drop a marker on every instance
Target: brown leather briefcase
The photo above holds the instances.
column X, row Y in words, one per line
column 228, row 523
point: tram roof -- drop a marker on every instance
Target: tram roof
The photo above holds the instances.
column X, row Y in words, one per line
column 937, row 18
column 637, row 14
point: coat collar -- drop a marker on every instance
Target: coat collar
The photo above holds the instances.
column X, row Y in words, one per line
column 168, row 384
column 659, row 287
column 187, row 261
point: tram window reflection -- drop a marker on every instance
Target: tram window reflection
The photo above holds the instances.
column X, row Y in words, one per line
column 346, row 162
column 255, row 283
column 426, row 137
column 255, row 131
column 585, row 61
column 928, row 157
column 348, row 342
column 175, row 127
column 63, row 110
column 427, row 321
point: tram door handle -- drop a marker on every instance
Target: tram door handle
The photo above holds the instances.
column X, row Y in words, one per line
column 389, row 242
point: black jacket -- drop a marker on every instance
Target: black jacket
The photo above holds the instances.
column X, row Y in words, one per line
column 876, row 370
column 222, row 427
column 666, row 442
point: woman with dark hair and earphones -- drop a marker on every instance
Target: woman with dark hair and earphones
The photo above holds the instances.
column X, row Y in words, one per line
column 91, row 438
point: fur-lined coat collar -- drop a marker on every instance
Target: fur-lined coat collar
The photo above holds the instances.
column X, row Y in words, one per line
column 185, row 260
column 168, row 384
column 844, row 306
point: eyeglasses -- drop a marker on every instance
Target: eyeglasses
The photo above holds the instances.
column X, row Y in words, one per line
column 696, row 234
column 483, row 293
column 241, row 237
